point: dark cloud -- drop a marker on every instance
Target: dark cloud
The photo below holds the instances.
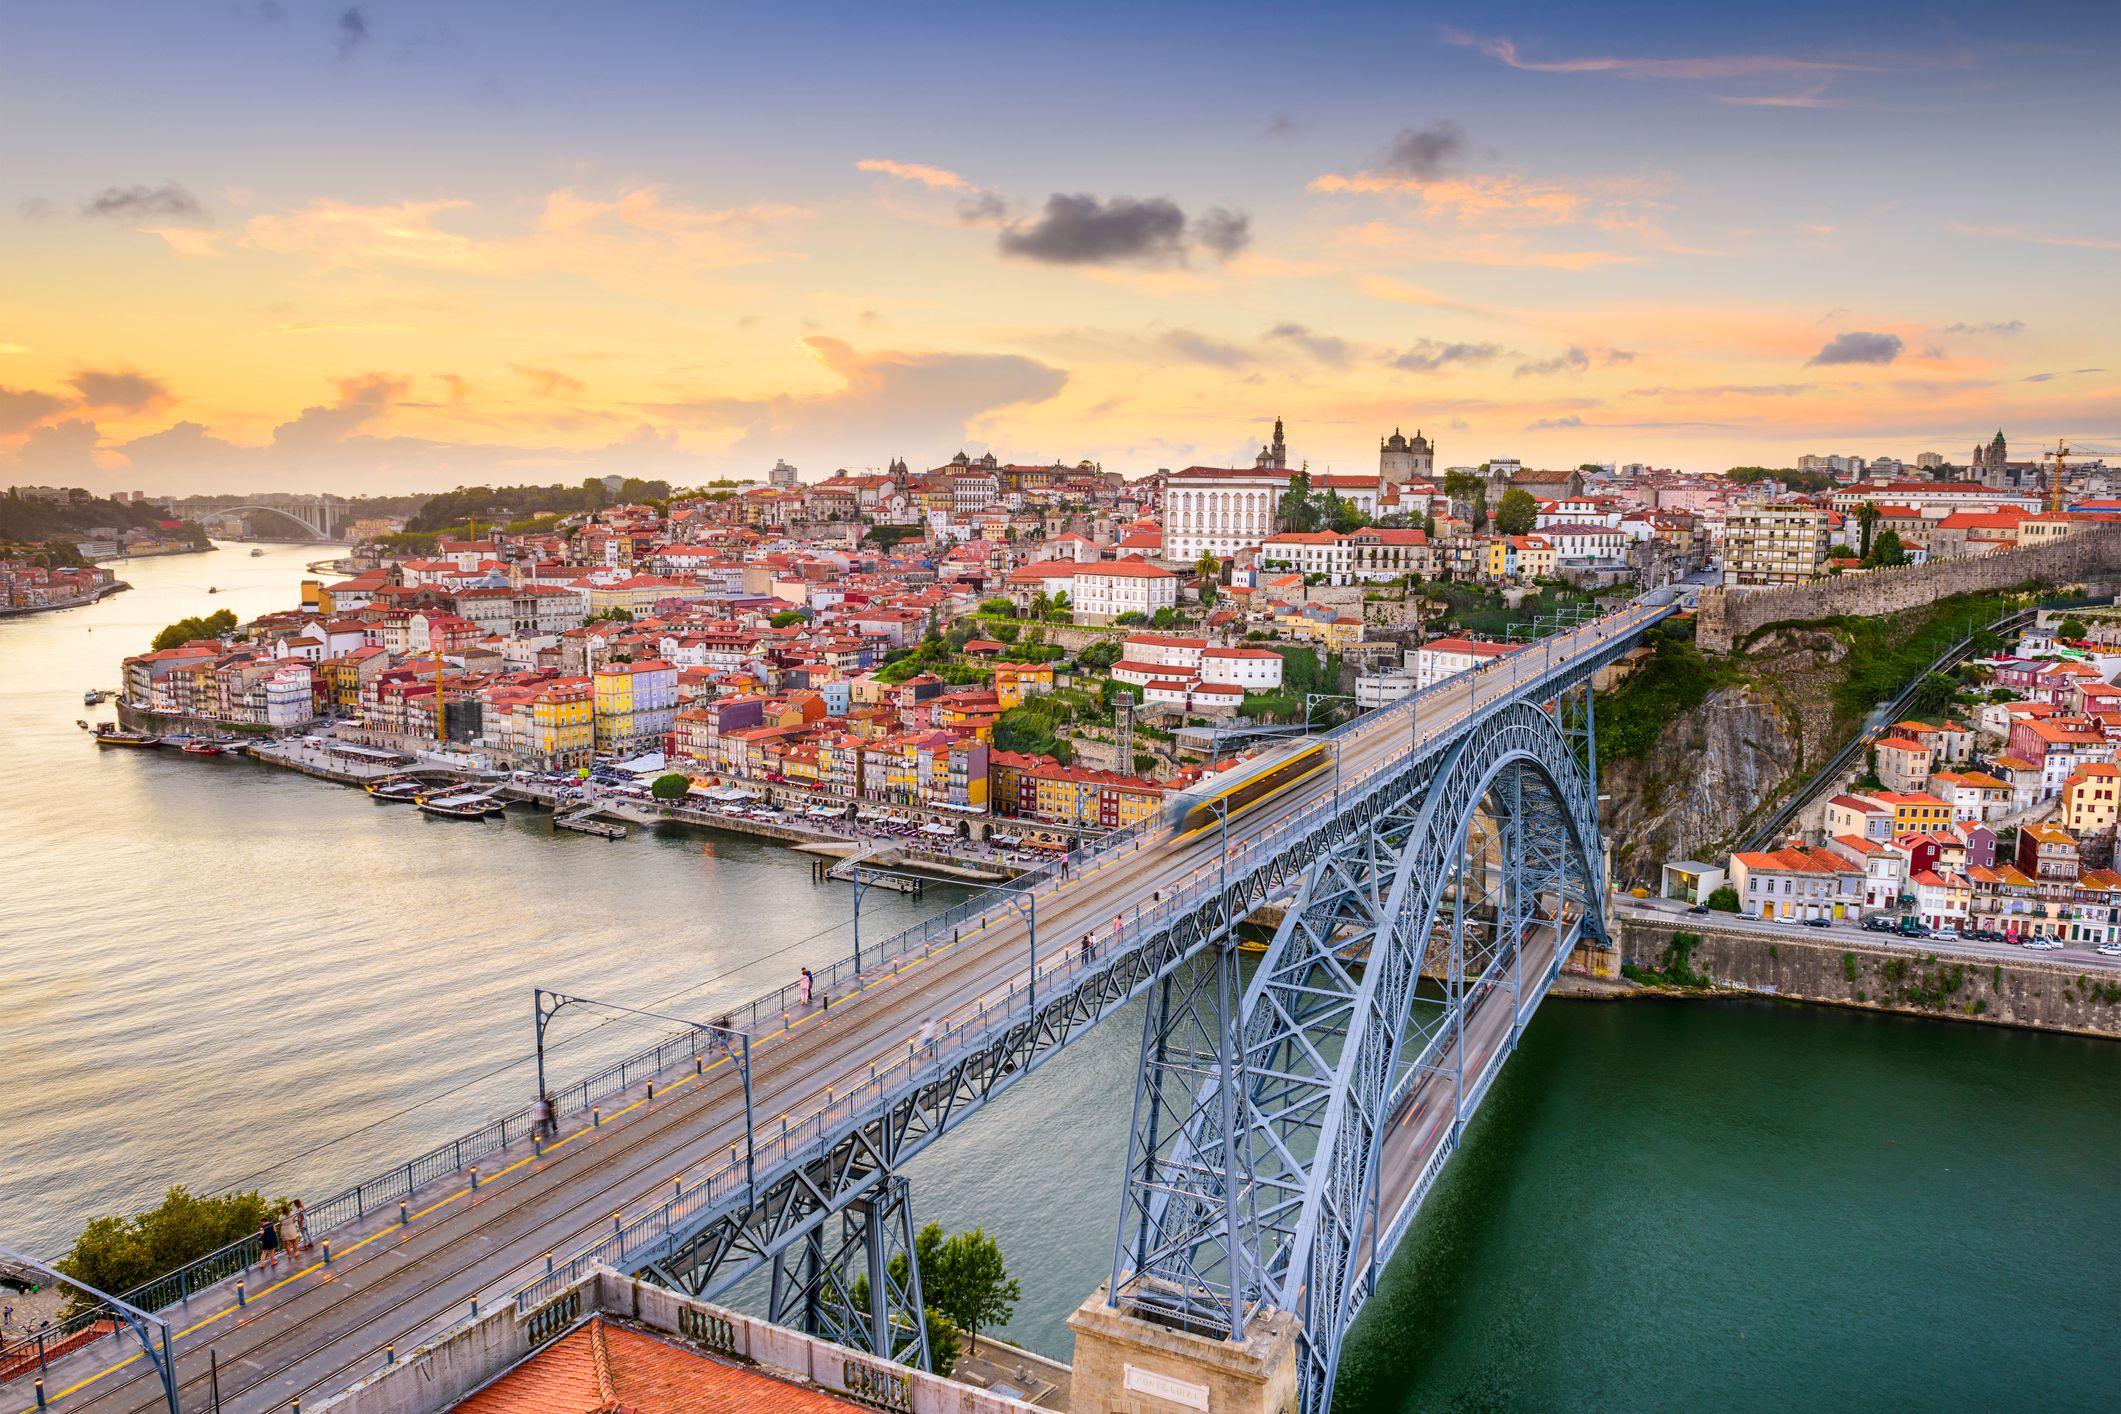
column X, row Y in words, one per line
column 983, row 208
column 349, row 31
column 1571, row 360
column 1425, row 152
column 1084, row 230
column 23, row 407
column 2064, row 373
column 1858, row 346
column 269, row 11
column 108, row 389
column 1326, row 348
column 2001, row 326
column 168, row 202
column 1459, row 424
column 1201, row 349
column 1282, row 125
column 1619, row 356
column 1223, row 232
column 1546, row 424
column 1427, row 355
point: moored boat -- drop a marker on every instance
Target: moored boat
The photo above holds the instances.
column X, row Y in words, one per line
column 112, row 736
column 461, row 807
column 204, row 748
column 405, row 792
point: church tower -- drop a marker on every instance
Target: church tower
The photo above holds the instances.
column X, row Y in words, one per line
column 1275, row 455
column 1402, row 459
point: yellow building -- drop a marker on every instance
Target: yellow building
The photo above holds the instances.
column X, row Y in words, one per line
column 1915, row 812
column 563, row 723
column 1013, row 682
column 2091, row 799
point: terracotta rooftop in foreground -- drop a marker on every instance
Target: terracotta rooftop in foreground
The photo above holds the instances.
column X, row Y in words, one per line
column 604, row 1366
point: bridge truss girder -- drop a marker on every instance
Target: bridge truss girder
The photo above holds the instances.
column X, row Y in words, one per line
column 1253, row 1163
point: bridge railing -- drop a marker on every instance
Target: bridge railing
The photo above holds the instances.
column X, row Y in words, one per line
column 764, row 1015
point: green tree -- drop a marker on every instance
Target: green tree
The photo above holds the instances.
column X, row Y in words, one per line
column 1298, row 511
column 1933, row 695
column 118, row 1254
column 213, row 625
column 1724, row 899
column 671, row 786
column 1208, row 566
column 1867, row 516
column 1887, row 551
column 1516, row 513
column 997, row 605
column 970, row 1283
column 789, row 618
column 2071, row 627
column 1063, row 607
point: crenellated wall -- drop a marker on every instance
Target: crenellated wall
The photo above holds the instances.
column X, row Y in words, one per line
column 1728, row 615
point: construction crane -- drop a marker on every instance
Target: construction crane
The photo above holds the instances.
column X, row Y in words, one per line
column 2054, row 477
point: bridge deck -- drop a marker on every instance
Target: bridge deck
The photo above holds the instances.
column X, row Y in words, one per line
column 311, row 1331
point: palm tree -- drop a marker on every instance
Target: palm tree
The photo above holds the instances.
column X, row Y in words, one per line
column 1207, row 566
column 1867, row 516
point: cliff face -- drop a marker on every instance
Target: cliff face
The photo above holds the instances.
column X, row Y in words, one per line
column 1716, row 767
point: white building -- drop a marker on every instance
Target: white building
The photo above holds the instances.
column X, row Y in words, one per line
column 1308, row 552
column 1252, row 669
column 1219, row 510
column 1102, row 592
column 782, row 475
column 1446, row 657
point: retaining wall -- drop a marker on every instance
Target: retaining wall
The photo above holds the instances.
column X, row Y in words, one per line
column 1728, row 615
column 1905, row 977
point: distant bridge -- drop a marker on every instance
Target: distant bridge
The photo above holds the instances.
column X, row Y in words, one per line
column 323, row 517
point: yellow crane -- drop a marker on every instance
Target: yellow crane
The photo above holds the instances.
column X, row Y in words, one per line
column 2054, row 477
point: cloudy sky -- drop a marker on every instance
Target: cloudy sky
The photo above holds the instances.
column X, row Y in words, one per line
column 392, row 246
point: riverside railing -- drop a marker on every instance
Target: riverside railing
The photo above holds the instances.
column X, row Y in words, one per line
column 764, row 1015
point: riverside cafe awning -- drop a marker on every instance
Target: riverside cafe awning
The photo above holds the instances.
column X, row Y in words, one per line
column 938, row 830
column 727, row 795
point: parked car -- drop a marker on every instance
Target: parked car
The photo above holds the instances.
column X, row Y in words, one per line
column 1818, row 922
column 1945, row 935
column 1699, row 908
column 2110, row 950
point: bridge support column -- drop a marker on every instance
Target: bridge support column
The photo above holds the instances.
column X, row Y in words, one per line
column 1127, row 1365
column 857, row 1286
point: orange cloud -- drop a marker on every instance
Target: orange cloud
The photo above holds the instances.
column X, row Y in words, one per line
column 941, row 178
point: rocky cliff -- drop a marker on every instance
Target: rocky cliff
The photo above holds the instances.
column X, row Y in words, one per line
column 1715, row 766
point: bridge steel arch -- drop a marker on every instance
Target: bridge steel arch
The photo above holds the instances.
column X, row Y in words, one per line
column 321, row 527
column 1254, row 1163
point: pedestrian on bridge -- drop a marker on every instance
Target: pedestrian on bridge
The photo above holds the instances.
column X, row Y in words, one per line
column 269, row 1242
column 301, row 1216
column 290, row 1235
column 806, row 985
column 543, row 1119
column 1089, row 947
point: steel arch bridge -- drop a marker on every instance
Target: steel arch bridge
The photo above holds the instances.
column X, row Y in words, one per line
column 1284, row 1133
column 320, row 518
column 1256, row 1170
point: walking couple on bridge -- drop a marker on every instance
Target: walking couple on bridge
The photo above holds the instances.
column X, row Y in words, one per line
column 285, row 1230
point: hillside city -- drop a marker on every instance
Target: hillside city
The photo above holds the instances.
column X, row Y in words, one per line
column 986, row 652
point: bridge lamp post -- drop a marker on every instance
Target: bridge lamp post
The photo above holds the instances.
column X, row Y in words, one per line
column 735, row 1042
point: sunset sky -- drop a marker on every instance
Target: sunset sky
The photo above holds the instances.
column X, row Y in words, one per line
column 390, row 247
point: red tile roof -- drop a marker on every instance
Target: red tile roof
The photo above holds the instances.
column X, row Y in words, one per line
column 603, row 1366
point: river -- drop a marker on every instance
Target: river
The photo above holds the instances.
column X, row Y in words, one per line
column 215, row 972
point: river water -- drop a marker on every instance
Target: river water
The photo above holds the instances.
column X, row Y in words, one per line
column 214, row 972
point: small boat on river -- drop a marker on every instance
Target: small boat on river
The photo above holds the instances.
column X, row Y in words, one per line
column 112, row 736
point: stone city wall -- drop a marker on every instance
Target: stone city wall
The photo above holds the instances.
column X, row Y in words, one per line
column 1803, row 964
column 1728, row 615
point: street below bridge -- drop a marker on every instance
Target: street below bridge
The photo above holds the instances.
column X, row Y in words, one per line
column 309, row 1329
